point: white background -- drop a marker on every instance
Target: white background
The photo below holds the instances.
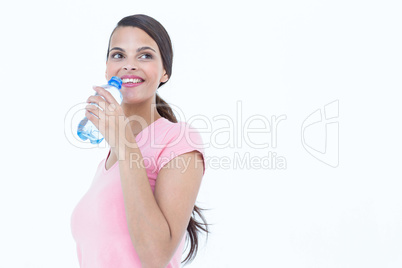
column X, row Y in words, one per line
column 275, row 58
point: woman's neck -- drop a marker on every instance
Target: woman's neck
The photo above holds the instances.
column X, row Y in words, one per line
column 140, row 116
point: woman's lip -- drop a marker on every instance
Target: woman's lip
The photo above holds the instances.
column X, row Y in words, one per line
column 131, row 77
column 131, row 84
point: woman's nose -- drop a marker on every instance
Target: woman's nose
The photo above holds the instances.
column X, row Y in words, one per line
column 129, row 67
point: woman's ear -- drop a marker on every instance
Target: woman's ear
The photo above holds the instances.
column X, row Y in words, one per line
column 164, row 78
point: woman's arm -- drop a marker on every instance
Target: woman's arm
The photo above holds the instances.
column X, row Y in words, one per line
column 158, row 222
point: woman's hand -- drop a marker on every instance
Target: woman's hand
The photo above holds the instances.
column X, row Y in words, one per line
column 109, row 119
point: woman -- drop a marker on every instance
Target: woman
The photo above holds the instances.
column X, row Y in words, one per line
column 137, row 210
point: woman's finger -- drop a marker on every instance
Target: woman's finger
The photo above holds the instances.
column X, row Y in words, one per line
column 93, row 109
column 106, row 94
column 97, row 100
column 91, row 117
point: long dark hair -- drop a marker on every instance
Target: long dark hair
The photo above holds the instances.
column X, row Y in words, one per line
column 159, row 34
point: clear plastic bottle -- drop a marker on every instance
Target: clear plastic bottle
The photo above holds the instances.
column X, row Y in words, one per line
column 86, row 129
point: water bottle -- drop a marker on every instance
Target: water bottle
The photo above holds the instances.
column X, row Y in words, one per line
column 86, row 129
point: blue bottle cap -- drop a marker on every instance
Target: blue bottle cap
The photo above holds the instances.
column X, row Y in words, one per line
column 116, row 82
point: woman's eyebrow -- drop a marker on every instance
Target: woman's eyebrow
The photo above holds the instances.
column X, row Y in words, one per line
column 117, row 48
column 138, row 49
column 145, row 48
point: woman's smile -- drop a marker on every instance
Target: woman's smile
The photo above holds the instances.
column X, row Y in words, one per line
column 131, row 80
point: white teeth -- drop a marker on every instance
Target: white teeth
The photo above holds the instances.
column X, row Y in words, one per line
column 131, row 80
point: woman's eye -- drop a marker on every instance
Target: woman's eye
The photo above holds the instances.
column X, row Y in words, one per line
column 146, row 56
column 117, row 56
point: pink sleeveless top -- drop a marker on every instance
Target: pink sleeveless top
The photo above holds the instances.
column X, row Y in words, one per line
column 98, row 222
